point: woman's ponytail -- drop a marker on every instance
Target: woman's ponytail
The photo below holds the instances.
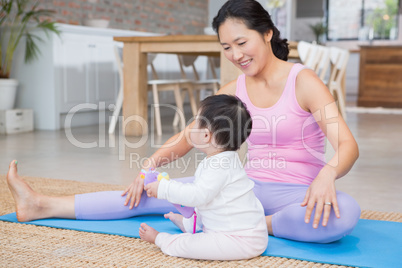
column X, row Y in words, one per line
column 280, row 47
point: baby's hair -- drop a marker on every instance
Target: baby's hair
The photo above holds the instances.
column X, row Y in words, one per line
column 227, row 118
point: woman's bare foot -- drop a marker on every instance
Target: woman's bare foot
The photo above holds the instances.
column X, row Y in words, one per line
column 148, row 233
column 26, row 200
column 177, row 219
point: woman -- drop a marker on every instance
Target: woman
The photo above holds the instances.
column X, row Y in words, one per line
column 292, row 112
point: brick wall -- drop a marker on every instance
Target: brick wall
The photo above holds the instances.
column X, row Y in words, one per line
column 158, row 16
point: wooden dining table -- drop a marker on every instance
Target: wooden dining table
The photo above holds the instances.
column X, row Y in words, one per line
column 135, row 49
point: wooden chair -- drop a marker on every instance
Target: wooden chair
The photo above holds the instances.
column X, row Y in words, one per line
column 339, row 60
column 188, row 61
column 321, row 59
column 323, row 63
column 155, row 85
column 199, row 84
column 309, row 54
column 303, row 49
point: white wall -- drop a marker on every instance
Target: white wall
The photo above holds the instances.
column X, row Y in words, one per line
column 300, row 29
column 213, row 8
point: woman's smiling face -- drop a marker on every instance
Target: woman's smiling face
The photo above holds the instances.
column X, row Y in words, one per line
column 247, row 49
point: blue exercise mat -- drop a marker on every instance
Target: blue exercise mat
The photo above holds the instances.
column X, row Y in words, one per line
column 371, row 244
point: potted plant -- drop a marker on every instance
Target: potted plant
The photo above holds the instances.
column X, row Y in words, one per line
column 319, row 29
column 18, row 19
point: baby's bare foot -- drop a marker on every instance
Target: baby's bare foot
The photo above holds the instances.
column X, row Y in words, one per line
column 177, row 219
column 26, row 200
column 148, row 233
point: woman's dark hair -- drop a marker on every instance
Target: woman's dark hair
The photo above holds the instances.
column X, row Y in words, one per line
column 255, row 17
column 227, row 118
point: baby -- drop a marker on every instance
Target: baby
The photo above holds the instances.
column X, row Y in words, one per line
column 231, row 218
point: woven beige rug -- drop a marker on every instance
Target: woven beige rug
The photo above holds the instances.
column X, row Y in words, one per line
column 36, row 246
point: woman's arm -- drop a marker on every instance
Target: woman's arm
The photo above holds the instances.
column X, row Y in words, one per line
column 228, row 89
column 314, row 96
column 174, row 148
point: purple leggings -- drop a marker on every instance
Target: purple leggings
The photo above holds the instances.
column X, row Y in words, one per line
column 282, row 200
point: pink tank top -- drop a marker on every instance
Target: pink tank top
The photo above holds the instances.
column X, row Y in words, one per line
column 286, row 144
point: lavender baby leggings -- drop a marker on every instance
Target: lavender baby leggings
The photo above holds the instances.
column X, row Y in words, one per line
column 282, row 200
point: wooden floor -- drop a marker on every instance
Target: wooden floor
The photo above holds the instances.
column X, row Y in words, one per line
column 89, row 154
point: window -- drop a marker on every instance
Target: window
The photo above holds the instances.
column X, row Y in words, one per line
column 362, row 19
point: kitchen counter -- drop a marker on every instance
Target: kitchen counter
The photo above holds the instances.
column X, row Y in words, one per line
column 380, row 79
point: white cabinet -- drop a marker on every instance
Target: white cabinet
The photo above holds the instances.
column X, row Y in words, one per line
column 87, row 70
column 74, row 69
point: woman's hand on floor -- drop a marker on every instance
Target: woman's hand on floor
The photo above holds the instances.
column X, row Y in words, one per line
column 133, row 192
column 320, row 195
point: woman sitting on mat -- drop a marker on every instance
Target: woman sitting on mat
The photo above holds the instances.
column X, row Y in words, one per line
column 292, row 112
column 226, row 209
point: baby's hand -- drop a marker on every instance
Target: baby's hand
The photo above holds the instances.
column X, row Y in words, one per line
column 152, row 189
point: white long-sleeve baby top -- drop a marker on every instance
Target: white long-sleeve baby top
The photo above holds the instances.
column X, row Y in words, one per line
column 221, row 193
